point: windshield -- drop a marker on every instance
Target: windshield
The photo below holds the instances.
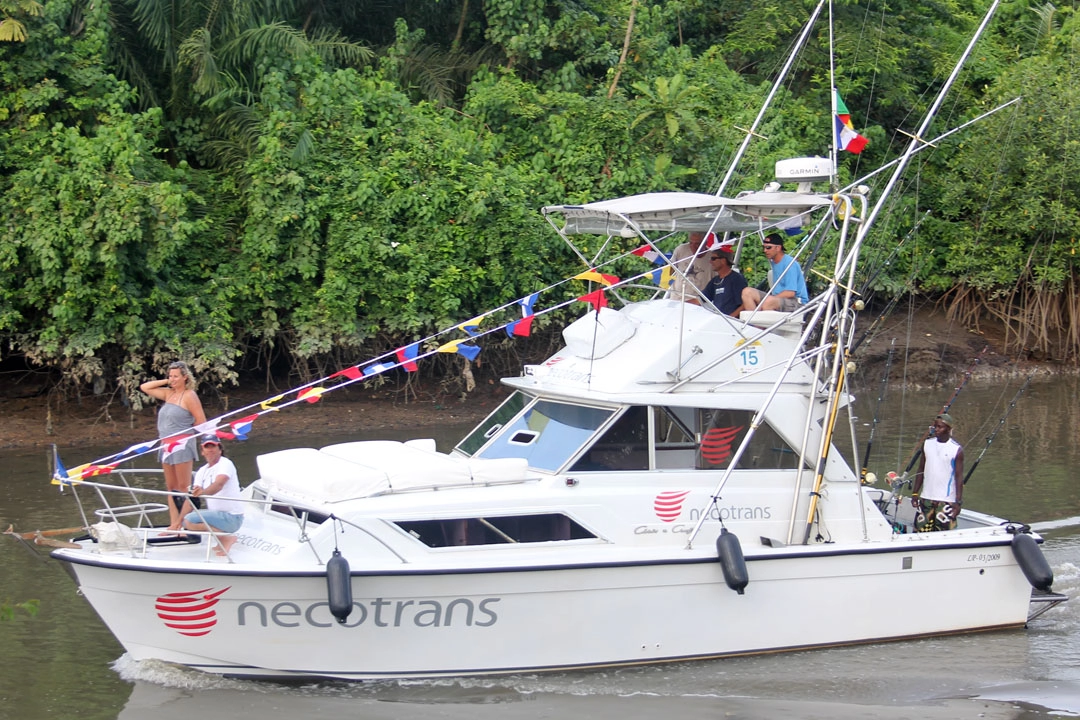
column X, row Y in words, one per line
column 547, row 434
column 493, row 423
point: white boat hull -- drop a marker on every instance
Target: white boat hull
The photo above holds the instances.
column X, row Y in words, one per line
column 516, row 620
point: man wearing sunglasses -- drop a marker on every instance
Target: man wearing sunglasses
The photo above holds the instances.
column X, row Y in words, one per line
column 785, row 278
column 725, row 289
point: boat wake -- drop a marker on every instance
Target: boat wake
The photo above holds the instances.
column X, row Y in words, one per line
column 168, row 675
column 1061, row 524
column 1056, row 697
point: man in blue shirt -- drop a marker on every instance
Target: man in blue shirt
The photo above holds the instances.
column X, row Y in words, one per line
column 788, row 286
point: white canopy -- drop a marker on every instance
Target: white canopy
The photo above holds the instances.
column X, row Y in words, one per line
column 685, row 211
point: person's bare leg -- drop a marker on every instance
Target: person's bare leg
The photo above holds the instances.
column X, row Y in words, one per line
column 225, row 543
column 177, row 479
column 771, row 302
column 172, row 484
column 750, row 299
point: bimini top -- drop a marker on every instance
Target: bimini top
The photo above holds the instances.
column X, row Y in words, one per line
column 686, row 212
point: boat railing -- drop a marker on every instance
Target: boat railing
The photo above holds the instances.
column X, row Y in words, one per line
column 137, row 539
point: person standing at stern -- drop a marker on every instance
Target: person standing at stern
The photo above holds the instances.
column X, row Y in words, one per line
column 182, row 410
column 938, row 490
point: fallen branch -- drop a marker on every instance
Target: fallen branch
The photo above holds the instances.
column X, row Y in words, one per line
column 42, row 533
column 40, row 539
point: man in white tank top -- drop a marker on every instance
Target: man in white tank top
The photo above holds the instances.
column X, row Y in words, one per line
column 939, row 484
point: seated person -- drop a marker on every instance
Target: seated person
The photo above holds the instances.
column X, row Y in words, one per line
column 785, row 278
column 218, row 483
column 725, row 290
column 692, row 258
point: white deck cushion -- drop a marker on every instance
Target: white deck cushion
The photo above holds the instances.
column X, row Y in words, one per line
column 309, row 473
column 405, row 466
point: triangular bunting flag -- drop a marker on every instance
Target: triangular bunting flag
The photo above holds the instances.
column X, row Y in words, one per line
column 61, row 472
column 266, row 404
column 135, row 449
column 520, row 328
column 76, row 473
column 207, row 428
column 242, row 426
column 311, row 395
column 471, row 327
column 171, row 446
column 406, row 355
column 375, row 369
column 527, row 303
column 646, row 251
column 595, row 298
column 598, row 277
column 93, row 470
column 460, row 347
column 352, row 373
column 469, row 351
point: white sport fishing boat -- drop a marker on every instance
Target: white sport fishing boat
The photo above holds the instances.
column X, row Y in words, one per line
column 666, row 487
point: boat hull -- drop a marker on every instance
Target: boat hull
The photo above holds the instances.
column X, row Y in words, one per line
column 506, row 620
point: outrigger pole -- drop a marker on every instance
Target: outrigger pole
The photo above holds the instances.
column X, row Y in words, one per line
column 877, row 407
column 1001, row 424
column 851, row 260
column 752, row 131
column 944, row 409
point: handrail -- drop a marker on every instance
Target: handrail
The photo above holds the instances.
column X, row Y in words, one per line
column 143, row 509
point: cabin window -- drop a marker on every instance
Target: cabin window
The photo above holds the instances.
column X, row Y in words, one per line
column 707, row 439
column 493, row 423
column 623, row 446
column 722, row 433
column 547, row 434
column 506, row 530
column 676, row 437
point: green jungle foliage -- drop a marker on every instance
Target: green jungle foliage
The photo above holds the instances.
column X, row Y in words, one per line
column 288, row 185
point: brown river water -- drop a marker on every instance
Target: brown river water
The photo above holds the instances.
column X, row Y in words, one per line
column 63, row 663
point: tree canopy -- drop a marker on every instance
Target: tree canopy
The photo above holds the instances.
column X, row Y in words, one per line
column 243, row 185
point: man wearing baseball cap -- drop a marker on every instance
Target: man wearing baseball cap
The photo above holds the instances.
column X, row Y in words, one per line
column 786, row 280
column 216, row 481
column 938, row 490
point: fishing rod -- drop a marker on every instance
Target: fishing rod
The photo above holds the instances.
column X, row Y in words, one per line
column 751, row 132
column 944, row 409
column 877, row 406
column 1001, row 424
column 888, row 260
column 879, row 319
column 893, row 301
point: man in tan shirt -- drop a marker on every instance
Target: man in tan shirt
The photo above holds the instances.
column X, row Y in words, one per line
column 692, row 259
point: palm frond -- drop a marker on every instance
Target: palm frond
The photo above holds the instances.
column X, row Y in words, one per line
column 197, row 53
column 272, row 39
column 305, row 146
column 333, row 47
column 1042, row 30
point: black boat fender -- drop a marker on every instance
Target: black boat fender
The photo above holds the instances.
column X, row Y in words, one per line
column 339, row 586
column 732, row 562
column 1032, row 562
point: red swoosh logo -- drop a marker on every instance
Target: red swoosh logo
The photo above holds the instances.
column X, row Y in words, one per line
column 716, row 445
column 189, row 613
column 668, row 505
